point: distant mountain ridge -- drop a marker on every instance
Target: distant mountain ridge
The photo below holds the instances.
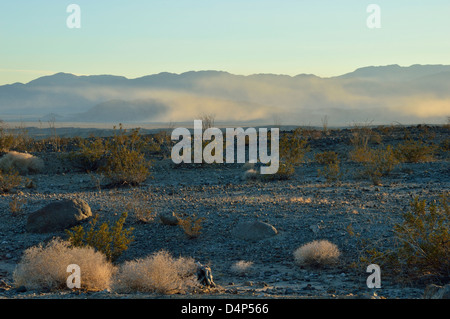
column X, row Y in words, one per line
column 418, row 93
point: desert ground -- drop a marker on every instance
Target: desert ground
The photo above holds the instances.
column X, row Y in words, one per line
column 353, row 213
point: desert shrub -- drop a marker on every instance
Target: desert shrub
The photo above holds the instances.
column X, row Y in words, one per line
column 331, row 169
column 331, row 172
column 421, row 244
column 317, row 253
column 13, row 139
column 241, row 267
column 361, row 138
column 121, row 159
column 111, row 241
column 292, row 149
column 161, row 143
column 9, row 180
column 45, row 267
column 90, row 154
column 125, row 160
column 424, row 238
column 21, row 162
column 191, row 225
column 380, row 162
column 15, row 205
column 159, row 272
column 140, row 207
column 414, row 151
column 328, row 157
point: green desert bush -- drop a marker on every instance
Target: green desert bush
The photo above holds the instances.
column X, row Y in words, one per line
column 112, row 241
column 331, row 168
column 90, row 154
column 9, row 180
column 421, row 244
column 424, row 238
column 414, row 151
column 125, row 159
column 14, row 139
column 292, row 150
column 45, row 267
column 120, row 159
column 159, row 272
column 380, row 162
column 317, row 253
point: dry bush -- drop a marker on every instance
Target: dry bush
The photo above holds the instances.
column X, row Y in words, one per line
column 160, row 273
column 191, row 225
column 139, row 205
column 317, row 253
column 9, row 180
column 241, row 267
column 46, row 267
column 23, row 163
column 15, row 205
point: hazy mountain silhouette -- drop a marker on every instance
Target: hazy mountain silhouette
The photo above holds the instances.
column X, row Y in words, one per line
column 124, row 111
column 382, row 94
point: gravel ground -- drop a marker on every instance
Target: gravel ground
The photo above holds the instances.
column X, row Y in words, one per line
column 302, row 209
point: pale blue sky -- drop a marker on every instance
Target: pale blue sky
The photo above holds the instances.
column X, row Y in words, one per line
column 134, row 38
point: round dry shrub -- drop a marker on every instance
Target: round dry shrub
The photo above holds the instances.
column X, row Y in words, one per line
column 46, row 267
column 160, row 273
column 241, row 267
column 317, row 253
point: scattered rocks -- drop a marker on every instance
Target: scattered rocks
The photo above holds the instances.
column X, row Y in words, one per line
column 58, row 216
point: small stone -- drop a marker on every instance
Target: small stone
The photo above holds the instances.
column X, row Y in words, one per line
column 168, row 218
column 21, row 289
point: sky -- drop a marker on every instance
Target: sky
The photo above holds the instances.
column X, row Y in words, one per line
column 134, row 38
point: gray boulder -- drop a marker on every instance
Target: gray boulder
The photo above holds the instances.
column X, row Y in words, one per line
column 254, row 231
column 168, row 218
column 58, row 216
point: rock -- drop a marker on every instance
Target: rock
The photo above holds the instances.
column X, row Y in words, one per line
column 21, row 289
column 437, row 292
column 254, row 231
column 58, row 216
column 168, row 218
column 204, row 275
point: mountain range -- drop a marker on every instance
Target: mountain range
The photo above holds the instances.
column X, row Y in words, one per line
column 377, row 94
